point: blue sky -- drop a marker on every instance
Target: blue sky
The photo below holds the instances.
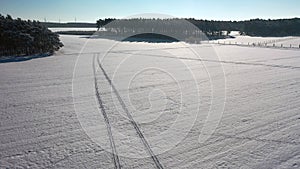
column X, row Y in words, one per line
column 90, row 10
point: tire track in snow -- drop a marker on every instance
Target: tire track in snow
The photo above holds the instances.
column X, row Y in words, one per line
column 217, row 61
column 135, row 125
column 107, row 123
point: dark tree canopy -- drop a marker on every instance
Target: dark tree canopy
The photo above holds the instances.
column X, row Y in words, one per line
column 20, row 37
column 212, row 29
column 280, row 27
column 101, row 22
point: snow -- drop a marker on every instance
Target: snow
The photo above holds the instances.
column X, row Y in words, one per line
column 234, row 107
column 72, row 29
column 286, row 42
column 234, row 33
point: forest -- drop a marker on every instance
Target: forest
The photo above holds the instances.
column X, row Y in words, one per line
column 20, row 37
column 253, row 27
column 212, row 29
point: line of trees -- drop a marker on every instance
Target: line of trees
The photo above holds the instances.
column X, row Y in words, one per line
column 212, row 29
column 253, row 27
column 175, row 28
column 20, row 37
column 279, row 27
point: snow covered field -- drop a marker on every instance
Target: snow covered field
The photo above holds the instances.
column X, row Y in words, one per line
column 283, row 42
column 189, row 106
column 72, row 29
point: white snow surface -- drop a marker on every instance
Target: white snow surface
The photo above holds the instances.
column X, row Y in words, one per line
column 48, row 119
column 72, row 29
column 283, row 42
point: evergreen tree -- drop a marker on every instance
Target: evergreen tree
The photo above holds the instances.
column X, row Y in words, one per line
column 19, row 37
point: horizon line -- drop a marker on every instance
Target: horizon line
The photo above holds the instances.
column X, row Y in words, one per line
column 62, row 22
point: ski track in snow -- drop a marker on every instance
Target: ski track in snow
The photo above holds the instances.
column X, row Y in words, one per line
column 259, row 128
column 132, row 121
column 107, row 123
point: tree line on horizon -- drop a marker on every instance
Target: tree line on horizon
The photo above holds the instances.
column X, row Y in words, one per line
column 141, row 28
column 21, row 37
column 212, row 29
column 26, row 37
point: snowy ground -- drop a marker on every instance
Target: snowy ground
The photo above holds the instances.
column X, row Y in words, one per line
column 72, row 29
column 168, row 91
column 276, row 42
